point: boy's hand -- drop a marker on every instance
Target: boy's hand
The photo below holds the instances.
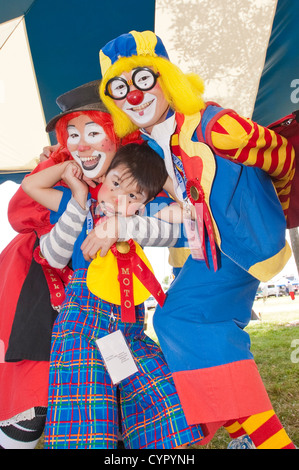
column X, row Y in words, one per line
column 101, row 238
column 72, row 176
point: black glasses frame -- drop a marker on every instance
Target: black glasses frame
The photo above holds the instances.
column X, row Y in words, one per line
column 155, row 75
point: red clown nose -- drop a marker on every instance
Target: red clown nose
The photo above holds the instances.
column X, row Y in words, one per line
column 135, row 97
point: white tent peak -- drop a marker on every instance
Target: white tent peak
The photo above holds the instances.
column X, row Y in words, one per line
column 22, row 122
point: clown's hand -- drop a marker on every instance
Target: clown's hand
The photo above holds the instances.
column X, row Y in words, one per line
column 47, row 151
column 92, row 183
column 101, row 238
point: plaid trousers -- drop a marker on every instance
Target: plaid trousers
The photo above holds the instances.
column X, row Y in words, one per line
column 83, row 405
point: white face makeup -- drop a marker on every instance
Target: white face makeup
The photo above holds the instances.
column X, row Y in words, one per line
column 89, row 146
column 151, row 108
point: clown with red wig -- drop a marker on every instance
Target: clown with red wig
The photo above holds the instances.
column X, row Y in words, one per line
column 82, row 413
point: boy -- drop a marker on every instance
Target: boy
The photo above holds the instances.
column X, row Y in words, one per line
column 82, row 409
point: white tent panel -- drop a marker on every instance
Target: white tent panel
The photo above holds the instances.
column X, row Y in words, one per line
column 7, row 190
column 22, row 127
column 7, row 29
column 223, row 42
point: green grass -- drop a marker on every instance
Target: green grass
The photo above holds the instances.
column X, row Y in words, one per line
column 271, row 347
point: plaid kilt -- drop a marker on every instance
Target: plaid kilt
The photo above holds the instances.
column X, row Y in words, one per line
column 83, row 404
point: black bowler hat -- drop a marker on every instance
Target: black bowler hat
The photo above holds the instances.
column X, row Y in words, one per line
column 83, row 98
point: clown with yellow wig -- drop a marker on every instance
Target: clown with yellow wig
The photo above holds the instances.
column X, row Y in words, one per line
column 233, row 176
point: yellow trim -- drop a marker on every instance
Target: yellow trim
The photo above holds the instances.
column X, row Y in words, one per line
column 175, row 139
column 203, row 151
column 235, row 136
column 105, row 62
column 265, row 270
column 178, row 256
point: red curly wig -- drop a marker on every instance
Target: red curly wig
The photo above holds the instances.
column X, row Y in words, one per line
column 103, row 119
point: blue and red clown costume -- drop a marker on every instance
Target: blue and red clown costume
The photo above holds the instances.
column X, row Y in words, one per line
column 241, row 173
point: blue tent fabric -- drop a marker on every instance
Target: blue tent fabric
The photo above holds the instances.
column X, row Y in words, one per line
column 15, row 177
column 278, row 93
column 14, row 8
column 65, row 44
column 65, row 38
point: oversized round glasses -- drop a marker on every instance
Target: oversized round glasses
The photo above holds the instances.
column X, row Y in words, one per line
column 142, row 78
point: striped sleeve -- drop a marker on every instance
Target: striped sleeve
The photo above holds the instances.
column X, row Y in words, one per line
column 246, row 142
column 148, row 231
column 57, row 245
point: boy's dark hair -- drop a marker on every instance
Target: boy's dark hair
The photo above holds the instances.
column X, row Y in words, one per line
column 144, row 165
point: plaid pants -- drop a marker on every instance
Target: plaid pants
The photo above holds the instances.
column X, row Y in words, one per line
column 83, row 405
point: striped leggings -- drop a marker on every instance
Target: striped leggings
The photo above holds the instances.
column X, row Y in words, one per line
column 23, row 434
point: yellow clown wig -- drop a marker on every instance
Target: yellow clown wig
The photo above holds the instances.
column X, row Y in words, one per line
column 144, row 49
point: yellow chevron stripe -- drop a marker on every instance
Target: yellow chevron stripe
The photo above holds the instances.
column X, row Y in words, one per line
column 236, row 137
column 256, row 421
column 278, row 441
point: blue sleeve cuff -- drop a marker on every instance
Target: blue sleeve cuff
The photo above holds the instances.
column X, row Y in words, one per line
column 67, row 194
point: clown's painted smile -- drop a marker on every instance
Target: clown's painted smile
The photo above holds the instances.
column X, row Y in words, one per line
column 89, row 146
column 144, row 112
column 140, row 108
column 96, row 160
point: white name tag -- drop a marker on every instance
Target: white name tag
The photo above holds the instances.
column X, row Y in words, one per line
column 192, row 231
column 117, row 356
